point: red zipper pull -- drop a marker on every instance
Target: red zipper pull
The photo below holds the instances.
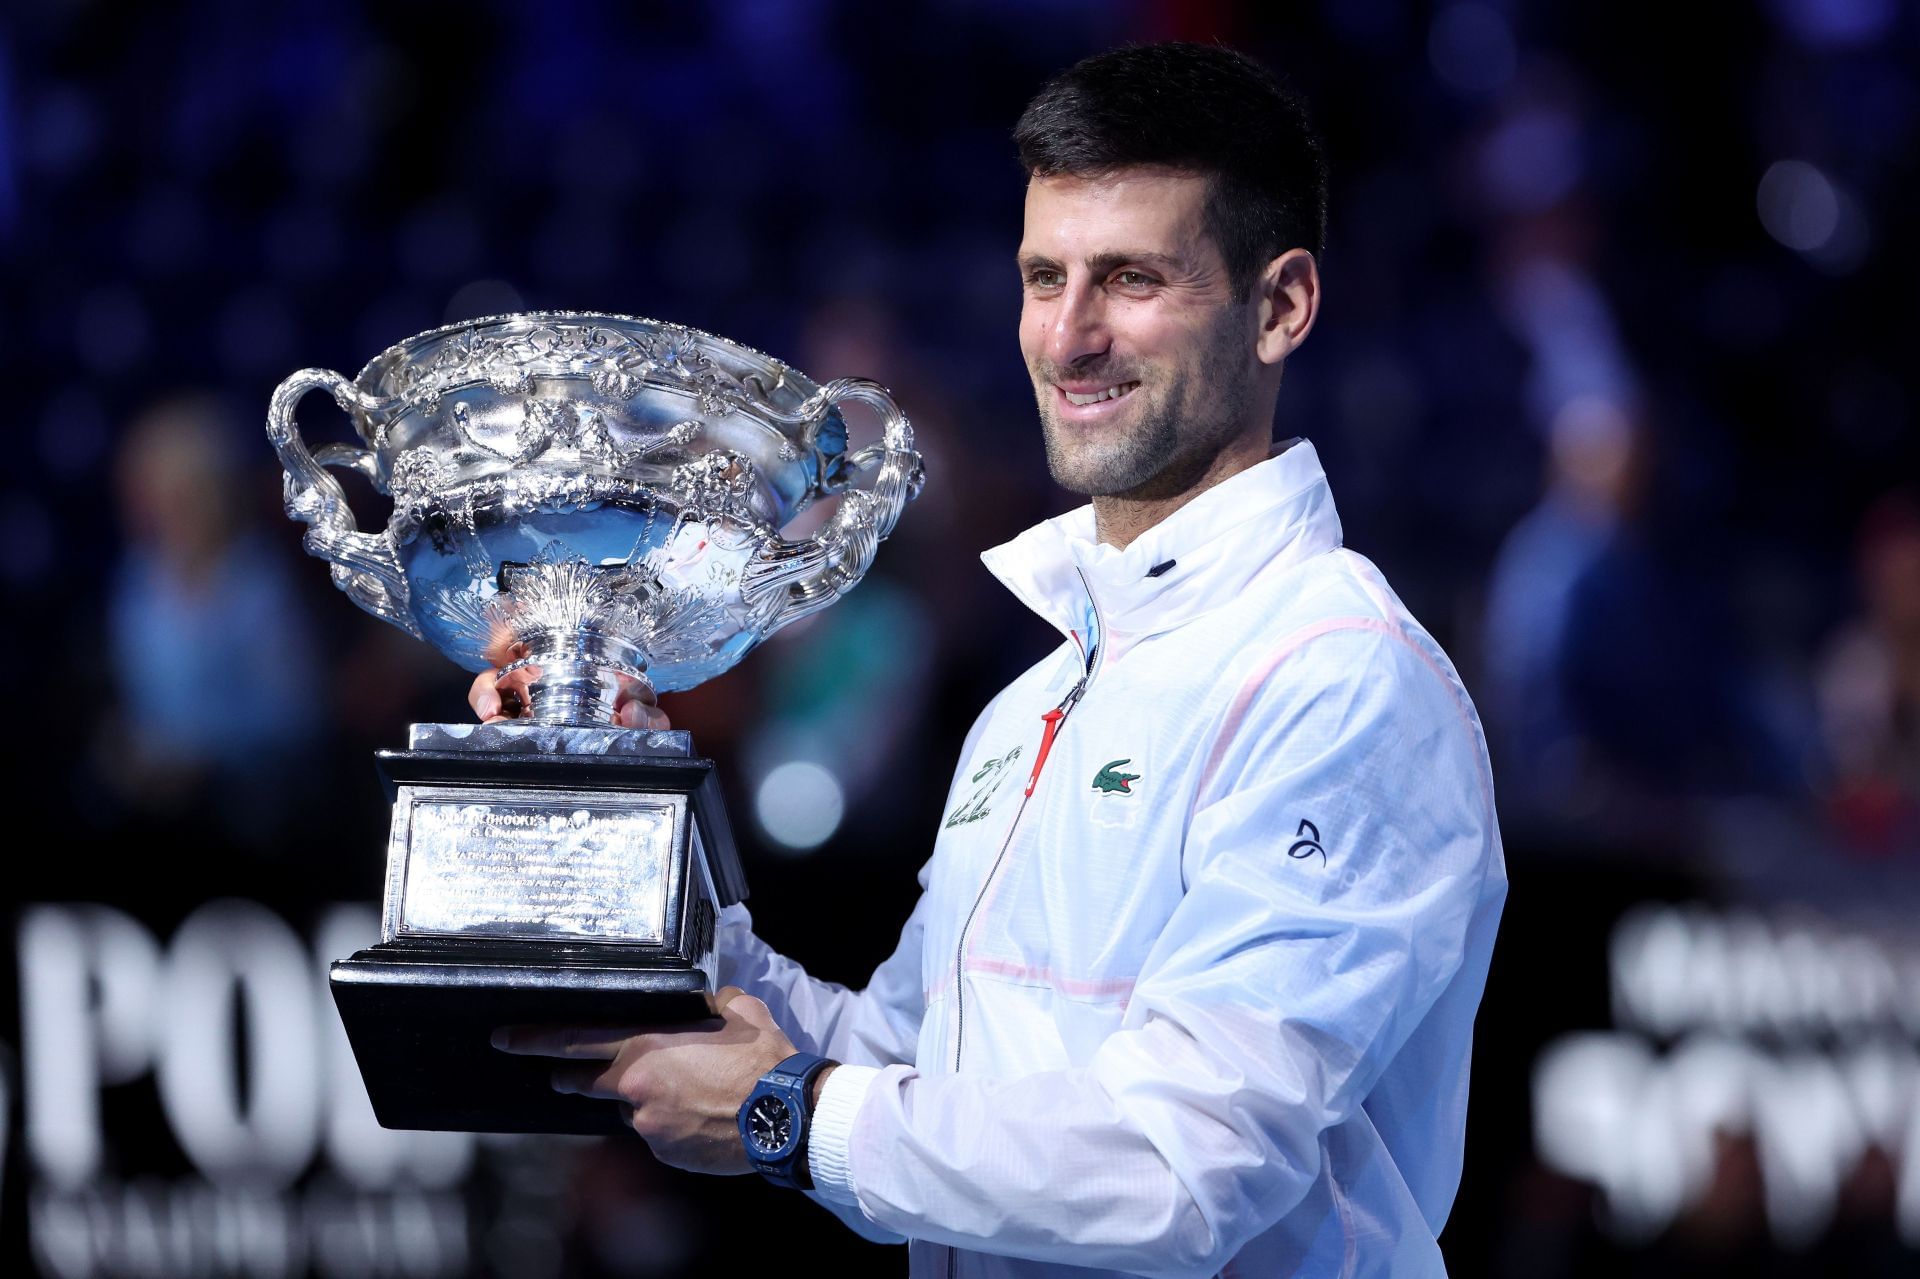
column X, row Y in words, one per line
column 1052, row 719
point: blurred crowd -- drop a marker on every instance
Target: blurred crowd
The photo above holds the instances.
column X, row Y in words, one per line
column 1615, row 381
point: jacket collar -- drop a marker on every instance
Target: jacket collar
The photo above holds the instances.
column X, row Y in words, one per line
column 1277, row 512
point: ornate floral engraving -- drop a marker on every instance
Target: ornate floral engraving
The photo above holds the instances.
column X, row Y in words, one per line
column 466, row 613
column 716, row 392
column 600, row 444
column 591, row 436
column 674, row 454
column 543, row 422
column 559, row 591
column 417, row 476
column 677, row 436
column 686, row 627
column 675, row 347
column 615, row 364
column 716, row 483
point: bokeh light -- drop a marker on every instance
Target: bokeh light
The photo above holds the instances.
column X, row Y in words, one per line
column 800, row 805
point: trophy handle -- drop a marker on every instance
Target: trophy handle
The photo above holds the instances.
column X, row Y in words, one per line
column 816, row 572
column 363, row 564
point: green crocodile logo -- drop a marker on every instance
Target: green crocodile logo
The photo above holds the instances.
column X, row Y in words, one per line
column 1109, row 782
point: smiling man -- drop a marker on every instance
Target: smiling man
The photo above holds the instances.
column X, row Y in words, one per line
column 1191, row 983
column 1148, row 357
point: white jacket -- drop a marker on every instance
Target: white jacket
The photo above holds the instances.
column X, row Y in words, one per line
column 1192, row 991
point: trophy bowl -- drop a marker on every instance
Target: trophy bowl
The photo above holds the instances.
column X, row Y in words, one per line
column 593, row 495
column 598, row 499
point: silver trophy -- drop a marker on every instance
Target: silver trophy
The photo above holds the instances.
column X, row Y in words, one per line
column 598, row 499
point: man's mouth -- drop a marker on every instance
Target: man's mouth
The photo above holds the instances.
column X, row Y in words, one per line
column 1113, row 392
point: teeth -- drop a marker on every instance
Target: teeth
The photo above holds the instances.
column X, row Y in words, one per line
column 1111, row 393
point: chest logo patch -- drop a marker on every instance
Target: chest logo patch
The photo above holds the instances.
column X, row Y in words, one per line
column 985, row 782
column 1111, row 781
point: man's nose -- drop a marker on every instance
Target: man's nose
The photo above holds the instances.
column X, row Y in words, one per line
column 1078, row 330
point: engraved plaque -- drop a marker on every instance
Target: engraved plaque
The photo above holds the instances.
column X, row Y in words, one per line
column 566, row 866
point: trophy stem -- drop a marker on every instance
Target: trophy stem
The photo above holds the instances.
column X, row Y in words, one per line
column 573, row 693
column 581, row 677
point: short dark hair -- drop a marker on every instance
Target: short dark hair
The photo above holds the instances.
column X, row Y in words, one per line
column 1199, row 109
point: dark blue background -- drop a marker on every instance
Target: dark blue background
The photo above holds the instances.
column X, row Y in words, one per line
column 1533, row 206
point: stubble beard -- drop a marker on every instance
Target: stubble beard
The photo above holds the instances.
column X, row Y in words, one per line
column 1102, row 468
column 1152, row 458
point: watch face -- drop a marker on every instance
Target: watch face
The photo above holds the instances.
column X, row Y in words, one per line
column 769, row 1124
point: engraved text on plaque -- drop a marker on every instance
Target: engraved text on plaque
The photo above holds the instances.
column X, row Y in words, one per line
column 557, row 868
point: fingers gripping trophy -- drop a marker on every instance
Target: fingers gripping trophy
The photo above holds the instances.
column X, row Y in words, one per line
column 597, row 500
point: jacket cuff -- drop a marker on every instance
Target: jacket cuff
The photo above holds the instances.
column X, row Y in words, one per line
column 830, row 1134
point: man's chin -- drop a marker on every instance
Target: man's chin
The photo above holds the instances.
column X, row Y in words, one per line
column 1113, row 466
column 1094, row 477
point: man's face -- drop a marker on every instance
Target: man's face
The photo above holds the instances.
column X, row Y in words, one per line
column 1142, row 361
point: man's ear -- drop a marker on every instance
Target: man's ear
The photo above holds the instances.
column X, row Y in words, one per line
column 1288, row 291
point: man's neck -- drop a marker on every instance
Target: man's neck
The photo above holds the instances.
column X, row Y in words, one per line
column 1119, row 519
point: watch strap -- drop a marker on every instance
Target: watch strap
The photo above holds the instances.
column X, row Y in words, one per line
column 793, row 1080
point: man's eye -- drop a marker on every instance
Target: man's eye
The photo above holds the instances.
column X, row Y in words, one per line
column 1132, row 279
column 1043, row 279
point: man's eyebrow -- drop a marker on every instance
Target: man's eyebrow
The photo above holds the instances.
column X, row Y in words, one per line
column 1105, row 263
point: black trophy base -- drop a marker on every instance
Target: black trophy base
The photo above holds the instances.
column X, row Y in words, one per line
column 421, row 1029
column 420, row 1008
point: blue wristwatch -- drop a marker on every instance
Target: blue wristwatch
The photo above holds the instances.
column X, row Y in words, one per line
column 774, row 1120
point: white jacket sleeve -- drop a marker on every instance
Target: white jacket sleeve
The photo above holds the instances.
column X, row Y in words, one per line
column 1279, row 990
column 876, row 1026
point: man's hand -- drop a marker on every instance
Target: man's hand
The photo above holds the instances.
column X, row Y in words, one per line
column 680, row 1087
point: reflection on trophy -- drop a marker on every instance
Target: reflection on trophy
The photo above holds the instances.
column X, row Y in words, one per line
column 597, row 499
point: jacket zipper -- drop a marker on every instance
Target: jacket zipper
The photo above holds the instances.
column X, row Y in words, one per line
column 1053, row 719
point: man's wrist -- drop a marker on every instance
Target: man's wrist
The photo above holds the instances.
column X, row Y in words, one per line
column 776, row 1118
column 830, row 1132
column 819, row 1082
column 802, row 1170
